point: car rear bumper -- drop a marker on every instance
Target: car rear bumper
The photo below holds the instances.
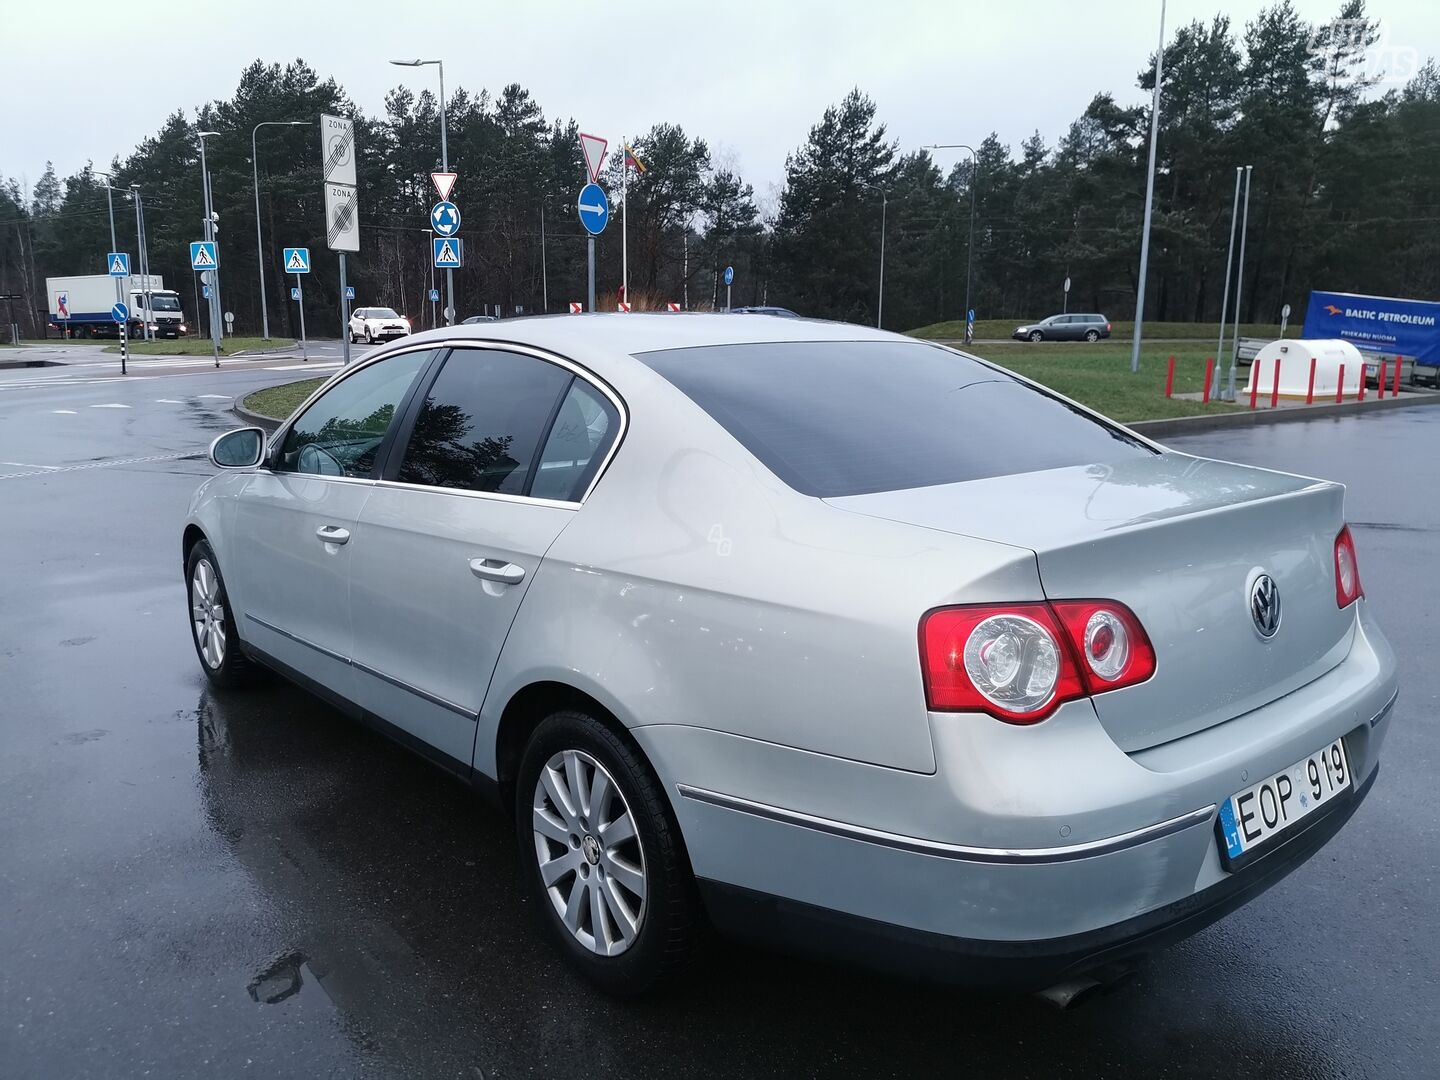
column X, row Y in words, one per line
column 1044, row 846
column 824, row 933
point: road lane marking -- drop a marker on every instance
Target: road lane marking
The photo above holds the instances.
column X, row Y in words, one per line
column 222, row 397
column 306, row 367
column 64, row 412
column 168, row 401
column 110, row 405
column 53, row 470
column 27, row 465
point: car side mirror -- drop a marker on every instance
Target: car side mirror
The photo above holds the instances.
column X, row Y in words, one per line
column 239, row 449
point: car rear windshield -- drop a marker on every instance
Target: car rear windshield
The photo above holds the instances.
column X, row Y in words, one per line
column 848, row 418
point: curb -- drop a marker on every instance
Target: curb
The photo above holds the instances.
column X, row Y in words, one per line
column 1242, row 418
column 254, row 419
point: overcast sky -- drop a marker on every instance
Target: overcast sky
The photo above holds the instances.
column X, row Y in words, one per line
column 88, row 80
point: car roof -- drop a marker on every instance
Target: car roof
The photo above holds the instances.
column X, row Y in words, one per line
column 605, row 343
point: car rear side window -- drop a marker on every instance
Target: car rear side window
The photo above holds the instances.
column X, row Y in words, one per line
column 851, row 417
column 480, row 425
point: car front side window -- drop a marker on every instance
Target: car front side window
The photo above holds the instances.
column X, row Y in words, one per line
column 340, row 434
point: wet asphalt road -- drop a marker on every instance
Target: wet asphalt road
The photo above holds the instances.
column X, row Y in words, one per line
column 194, row 883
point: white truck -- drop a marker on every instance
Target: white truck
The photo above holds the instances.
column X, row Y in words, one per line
column 82, row 306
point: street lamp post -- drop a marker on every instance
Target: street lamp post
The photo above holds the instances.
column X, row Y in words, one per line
column 970, row 246
column 210, row 235
column 1149, row 201
column 444, row 167
column 110, row 205
column 143, row 262
column 259, row 248
column 431, row 247
column 884, row 206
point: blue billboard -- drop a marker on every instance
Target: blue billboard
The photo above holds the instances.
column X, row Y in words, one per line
column 1377, row 323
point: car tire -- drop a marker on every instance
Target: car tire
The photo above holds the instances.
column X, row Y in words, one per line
column 368, row 339
column 212, row 622
column 1092, row 335
column 648, row 879
column 1036, row 335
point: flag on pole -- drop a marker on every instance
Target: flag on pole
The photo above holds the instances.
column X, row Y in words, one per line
column 631, row 161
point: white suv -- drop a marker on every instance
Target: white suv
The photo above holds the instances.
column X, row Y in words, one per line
column 377, row 324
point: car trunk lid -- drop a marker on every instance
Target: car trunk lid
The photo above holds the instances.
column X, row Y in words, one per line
column 1179, row 540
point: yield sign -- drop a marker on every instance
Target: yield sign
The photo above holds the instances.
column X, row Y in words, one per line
column 594, row 149
column 444, row 183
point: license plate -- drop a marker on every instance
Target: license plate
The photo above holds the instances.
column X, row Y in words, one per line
column 1251, row 817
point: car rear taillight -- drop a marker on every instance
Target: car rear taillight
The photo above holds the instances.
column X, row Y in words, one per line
column 1107, row 327
column 1113, row 647
column 1347, row 570
column 1019, row 662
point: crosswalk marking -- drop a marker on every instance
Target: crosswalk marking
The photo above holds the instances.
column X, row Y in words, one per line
column 307, row 367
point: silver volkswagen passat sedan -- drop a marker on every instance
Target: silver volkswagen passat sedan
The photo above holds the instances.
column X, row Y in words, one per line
column 819, row 635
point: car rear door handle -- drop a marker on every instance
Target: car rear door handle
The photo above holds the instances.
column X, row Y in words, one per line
column 332, row 534
column 507, row 573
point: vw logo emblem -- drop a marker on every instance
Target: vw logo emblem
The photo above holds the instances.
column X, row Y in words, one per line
column 1265, row 606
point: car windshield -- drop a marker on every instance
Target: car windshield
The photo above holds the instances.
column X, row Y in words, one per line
column 164, row 303
column 384, row 313
column 852, row 417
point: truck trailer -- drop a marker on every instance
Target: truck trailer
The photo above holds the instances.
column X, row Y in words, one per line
column 82, row 306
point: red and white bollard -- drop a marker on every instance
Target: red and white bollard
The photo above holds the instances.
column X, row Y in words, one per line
column 1380, row 382
column 1209, row 378
column 1395, row 390
column 1340, row 386
column 1275, row 389
column 1254, row 381
column 1170, row 377
column 1310, row 393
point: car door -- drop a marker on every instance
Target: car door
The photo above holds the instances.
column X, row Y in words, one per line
column 296, row 517
column 500, row 450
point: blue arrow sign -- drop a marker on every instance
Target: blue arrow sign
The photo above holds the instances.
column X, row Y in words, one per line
column 449, row 253
column 729, row 275
column 434, row 296
column 445, row 218
column 297, row 260
column 594, row 208
column 349, row 292
column 294, row 292
column 120, row 313
column 203, row 255
column 119, row 264
column 205, row 291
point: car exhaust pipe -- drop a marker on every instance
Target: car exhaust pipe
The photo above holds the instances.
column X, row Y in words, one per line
column 1070, row 993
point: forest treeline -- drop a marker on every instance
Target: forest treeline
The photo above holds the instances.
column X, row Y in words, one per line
column 1345, row 195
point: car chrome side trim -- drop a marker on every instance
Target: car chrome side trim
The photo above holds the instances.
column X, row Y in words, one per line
column 434, row 699
column 297, row 639
column 1385, row 709
column 960, row 852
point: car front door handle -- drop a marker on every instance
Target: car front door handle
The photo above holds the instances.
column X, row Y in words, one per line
column 507, row 573
column 332, row 534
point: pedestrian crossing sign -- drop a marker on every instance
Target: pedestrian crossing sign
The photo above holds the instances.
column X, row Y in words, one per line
column 448, row 253
column 297, row 260
column 119, row 263
column 202, row 255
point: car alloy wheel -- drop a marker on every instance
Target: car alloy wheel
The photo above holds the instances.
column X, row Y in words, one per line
column 1092, row 335
column 368, row 339
column 591, row 860
column 1035, row 335
column 207, row 614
